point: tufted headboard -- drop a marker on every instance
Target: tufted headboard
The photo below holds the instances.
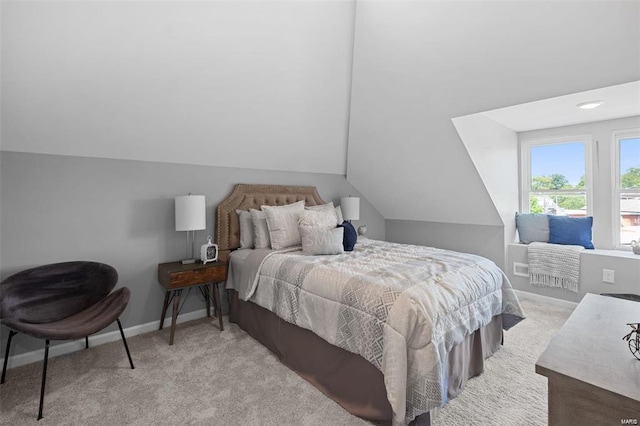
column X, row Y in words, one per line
column 245, row 197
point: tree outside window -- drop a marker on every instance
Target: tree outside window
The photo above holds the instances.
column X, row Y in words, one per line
column 557, row 183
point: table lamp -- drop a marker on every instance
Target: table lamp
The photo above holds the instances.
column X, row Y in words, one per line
column 190, row 217
column 350, row 207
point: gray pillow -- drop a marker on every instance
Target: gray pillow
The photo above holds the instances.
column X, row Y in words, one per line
column 282, row 222
column 532, row 227
column 260, row 229
column 246, row 229
column 318, row 240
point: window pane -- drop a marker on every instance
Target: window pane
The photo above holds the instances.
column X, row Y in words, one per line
column 562, row 205
column 629, row 218
column 558, row 166
column 630, row 163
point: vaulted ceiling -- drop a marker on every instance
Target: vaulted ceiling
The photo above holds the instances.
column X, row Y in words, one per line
column 417, row 65
column 247, row 84
column 367, row 89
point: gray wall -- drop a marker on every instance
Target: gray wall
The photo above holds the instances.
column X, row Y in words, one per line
column 625, row 265
column 483, row 240
column 121, row 212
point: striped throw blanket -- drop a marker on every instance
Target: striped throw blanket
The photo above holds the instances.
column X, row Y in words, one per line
column 554, row 265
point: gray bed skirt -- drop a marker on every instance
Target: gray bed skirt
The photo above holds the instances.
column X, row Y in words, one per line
column 345, row 377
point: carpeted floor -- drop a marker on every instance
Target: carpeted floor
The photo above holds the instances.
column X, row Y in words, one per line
column 227, row 378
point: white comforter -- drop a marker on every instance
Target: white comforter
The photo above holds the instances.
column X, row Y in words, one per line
column 401, row 307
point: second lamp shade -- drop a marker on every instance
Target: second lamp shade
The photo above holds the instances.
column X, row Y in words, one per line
column 350, row 207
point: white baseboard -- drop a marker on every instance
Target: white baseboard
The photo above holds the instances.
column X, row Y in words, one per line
column 95, row 340
column 545, row 299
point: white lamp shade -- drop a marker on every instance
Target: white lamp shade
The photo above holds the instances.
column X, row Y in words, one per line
column 350, row 207
column 190, row 213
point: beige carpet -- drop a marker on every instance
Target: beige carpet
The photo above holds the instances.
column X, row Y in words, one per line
column 213, row 378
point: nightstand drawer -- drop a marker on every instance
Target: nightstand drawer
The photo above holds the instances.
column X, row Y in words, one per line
column 210, row 275
column 179, row 279
column 198, row 276
column 175, row 275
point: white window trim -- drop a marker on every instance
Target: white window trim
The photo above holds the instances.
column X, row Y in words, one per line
column 525, row 167
column 617, row 190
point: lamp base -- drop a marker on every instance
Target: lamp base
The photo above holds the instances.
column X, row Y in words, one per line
column 188, row 261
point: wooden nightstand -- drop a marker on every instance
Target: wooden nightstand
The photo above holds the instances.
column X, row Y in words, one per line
column 175, row 277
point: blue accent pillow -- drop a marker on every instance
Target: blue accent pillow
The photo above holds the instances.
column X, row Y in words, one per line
column 350, row 236
column 532, row 227
column 571, row 230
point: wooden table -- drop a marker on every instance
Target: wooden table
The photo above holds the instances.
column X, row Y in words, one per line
column 175, row 277
column 593, row 378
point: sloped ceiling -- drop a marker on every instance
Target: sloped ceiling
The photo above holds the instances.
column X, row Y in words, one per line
column 270, row 85
column 621, row 100
column 224, row 83
column 417, row 65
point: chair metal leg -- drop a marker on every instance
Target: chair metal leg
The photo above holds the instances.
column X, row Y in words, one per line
column 6, row 355
column 125, row 343
column 44, row 378
column 86, row 342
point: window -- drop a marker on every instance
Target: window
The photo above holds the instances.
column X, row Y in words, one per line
column 627, row 187
column 556, row 176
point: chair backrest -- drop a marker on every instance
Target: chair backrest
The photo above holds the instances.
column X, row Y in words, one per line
column 53, row 292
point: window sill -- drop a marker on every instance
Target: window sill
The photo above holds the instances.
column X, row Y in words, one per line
column 596, row 252
column 612, row 253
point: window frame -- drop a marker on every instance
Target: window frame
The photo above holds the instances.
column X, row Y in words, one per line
column 617, row 189
column 525, row 167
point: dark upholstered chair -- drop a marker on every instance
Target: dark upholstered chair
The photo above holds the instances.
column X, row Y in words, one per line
column 61, row 301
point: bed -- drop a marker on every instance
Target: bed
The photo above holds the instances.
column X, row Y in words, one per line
column 389, row 331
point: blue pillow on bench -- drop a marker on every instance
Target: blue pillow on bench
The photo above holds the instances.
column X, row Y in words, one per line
column 571, row 230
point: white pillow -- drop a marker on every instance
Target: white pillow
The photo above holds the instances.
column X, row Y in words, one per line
column 324, row 218
column 260, row 229
column 329, row 205
column 339, row 214
column 246, row 229
column 321, row 240
column 282, row 222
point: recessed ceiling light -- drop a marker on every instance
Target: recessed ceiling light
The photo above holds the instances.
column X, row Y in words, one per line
column 590, row 104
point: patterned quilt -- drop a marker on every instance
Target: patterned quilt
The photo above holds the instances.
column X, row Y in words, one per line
column 401, row 307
